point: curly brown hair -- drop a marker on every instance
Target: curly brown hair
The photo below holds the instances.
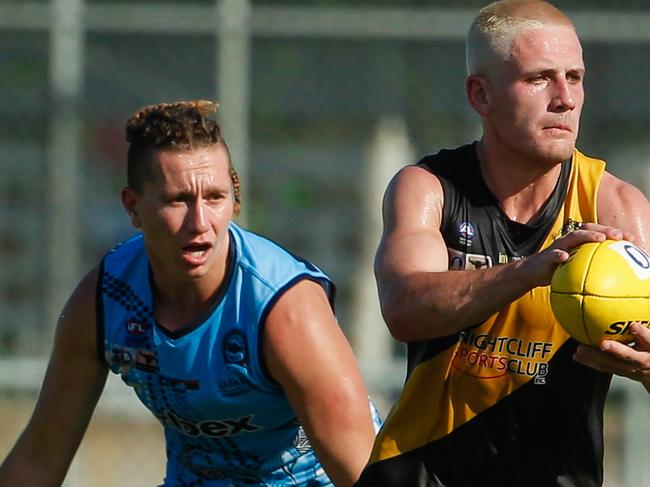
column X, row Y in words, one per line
column 180, row 126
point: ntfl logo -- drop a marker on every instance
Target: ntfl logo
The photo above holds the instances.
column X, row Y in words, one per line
column 466, row 232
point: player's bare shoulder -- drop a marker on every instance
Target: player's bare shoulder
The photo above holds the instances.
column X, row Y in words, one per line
column 416, row 177
column 414, row 194
column 623, row 205
column 77, row 323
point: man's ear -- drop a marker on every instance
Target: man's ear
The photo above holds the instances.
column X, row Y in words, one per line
column 129, row 202
column 478, row 93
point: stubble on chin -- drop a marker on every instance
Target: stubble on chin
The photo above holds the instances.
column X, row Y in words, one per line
column 553, row 150
column 560, row 151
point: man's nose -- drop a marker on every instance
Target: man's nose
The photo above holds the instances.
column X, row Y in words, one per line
column 564, row 98
column 195, row 219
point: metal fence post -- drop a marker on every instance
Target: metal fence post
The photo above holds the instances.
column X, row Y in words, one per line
column 63, row 153
column 388, row 151
column 233, row 84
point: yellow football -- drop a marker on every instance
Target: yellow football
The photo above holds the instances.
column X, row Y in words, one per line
column 600, row 290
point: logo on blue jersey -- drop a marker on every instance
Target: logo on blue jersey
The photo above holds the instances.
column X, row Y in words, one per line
column 121, row 356
column 301, row 442
column 211, row 428
column 146, row 360
column 234, row 384
column 136, row 328
column 234, row 347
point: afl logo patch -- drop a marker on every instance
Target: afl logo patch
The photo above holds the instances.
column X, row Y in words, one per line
column 234, row 347
column 135, row 327
column 466, row 232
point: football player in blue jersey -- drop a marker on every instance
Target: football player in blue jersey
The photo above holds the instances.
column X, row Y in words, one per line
column 226, row 337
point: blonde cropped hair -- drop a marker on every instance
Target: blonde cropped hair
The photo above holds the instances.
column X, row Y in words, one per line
column 493, row 31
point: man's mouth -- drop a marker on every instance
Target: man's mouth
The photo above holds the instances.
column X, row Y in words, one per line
column 564, row 128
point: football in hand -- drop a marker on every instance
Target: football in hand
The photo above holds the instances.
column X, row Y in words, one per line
column 600, row 290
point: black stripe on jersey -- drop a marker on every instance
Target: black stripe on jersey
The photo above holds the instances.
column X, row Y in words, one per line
column 515, row 443
column 418, row 352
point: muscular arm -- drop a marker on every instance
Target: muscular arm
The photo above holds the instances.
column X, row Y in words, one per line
column 420, row 298
column 308, row 354
column 73, row 383
column 622, row 205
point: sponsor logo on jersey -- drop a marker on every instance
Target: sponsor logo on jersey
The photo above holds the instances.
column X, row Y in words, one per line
column 120, row 359
column 487, row 357
column 569, row 226
column 234, row 386
column 505, row 258
column 212, row 428
column 234, row 347
column 623, row 327
column 301, row 442
column 465, row 261
column 121, row 356
column 466, row 233
column 146, row 360
column 136, row 328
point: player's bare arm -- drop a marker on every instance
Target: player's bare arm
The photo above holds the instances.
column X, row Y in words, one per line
column 420, row 297
column 308, row 354
column 73, row 383
column 623, row 205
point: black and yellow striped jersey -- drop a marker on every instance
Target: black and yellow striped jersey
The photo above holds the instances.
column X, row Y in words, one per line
column 501, row 403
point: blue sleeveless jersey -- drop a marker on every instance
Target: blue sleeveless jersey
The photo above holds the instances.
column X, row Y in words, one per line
column 226, row 422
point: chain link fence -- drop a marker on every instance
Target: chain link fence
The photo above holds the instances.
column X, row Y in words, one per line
column 322, row 102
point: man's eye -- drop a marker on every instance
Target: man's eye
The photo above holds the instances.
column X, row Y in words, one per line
column 177, row 199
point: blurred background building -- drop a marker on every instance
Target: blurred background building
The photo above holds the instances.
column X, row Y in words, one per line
column 321, row 102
